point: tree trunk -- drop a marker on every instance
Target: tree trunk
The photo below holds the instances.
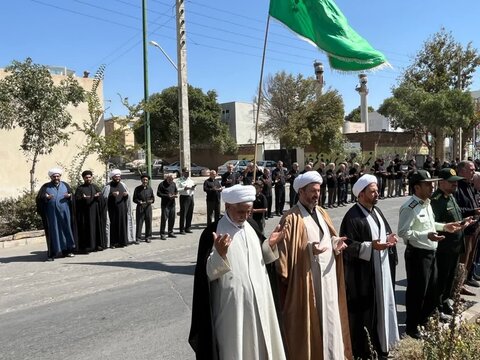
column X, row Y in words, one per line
column 32, row 173
column 440, row 144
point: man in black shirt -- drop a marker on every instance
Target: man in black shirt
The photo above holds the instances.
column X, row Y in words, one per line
column 144, row 198
column 213, row 188
column 167, row 191
column 230, row 178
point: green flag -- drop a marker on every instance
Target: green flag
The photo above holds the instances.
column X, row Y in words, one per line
column 322, row 22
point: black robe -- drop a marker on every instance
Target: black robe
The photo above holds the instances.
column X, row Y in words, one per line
column 360, row 278
column 202, row 335
column 117, row 212
column 90, row 216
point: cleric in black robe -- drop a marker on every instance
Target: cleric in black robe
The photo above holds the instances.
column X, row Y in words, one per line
column 90, row 207
column 119, row 226
column 202, row 336
column 369, row 285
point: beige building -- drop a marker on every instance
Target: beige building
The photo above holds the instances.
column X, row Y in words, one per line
column 15, row 178
column 128, row 138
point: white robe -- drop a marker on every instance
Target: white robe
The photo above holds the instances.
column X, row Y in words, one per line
column 244, row 317
column 387, row 327
column 325, row 283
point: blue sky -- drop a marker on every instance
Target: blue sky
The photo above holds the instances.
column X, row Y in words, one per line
column 224, row 42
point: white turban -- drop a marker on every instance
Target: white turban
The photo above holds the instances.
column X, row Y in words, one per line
column 307, row 178
column 54, row 171
column 115, row 172
column 239, row 194
column 362, row 183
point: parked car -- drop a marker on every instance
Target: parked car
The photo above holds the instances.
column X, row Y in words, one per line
column 266, row 164
column 136, row 165
column 238, row 165
column 195, row 170
column 157, row 167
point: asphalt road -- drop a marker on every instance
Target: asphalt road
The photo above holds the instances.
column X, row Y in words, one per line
column 129, row 303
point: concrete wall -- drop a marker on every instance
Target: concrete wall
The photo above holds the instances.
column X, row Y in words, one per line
column 15, row 176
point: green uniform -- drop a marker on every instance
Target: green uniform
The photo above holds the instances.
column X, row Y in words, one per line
column 446, row 209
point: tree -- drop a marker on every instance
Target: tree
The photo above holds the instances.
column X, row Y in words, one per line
column 424, row 113
column 355, row 114
column 298, row 117
column 89, row 127
column 443, row 63
column 284, row 102
column 324, row 121
column 206, row 126
column 31, row 101
column 429, row 98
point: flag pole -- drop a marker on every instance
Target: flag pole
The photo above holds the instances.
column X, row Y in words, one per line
column 259, row 99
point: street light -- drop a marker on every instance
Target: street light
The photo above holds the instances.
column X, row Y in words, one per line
column 153, row 43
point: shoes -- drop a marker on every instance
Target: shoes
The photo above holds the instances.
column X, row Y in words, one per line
column 473, row 282
column 444, row 318
column 99, row 248
column 136, row 242
column 447, row 309
column 112, row 246
column 476, row 277
column 171, row 235
column 182, row 232
column 70, row 255
column 148, row 240
column 163, row 237
column 188, row 231
column 465, row 291
column 50, row 259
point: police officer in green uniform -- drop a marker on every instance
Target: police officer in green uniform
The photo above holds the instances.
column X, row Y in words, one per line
column 446, row 210
column 418, row 228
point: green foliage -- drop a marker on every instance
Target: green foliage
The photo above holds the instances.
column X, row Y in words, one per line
column 285, row 99
column 31, row 101
column 442, row 64
column 298, row 117
column 456, row 340
column 355, row 114
column 206, row 126
column 19, row 214
column 415, row 109
column 324, row 119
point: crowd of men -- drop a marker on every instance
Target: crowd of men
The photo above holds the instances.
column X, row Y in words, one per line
column 306, row 291
column 93, row 219
column 326, row 288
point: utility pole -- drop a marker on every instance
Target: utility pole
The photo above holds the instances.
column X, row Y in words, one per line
column 148, row 149
column 183, row 116
column 318, row 66
column 363, row 91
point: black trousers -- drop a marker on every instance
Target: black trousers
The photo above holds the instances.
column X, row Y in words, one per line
column 168, row 214
column 143, row 215
column 269, row 206
column 332, row 192
column 279, row 199
column 293, row 198
column 323, row 195
column 186, row 211
column 447, row 263
column 421, row 297
column 213, row 208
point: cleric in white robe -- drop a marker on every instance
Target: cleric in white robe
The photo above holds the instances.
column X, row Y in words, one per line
column 233, row 311
column 369, row 263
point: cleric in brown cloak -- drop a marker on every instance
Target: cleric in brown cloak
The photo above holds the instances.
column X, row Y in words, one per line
column 312, row 288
